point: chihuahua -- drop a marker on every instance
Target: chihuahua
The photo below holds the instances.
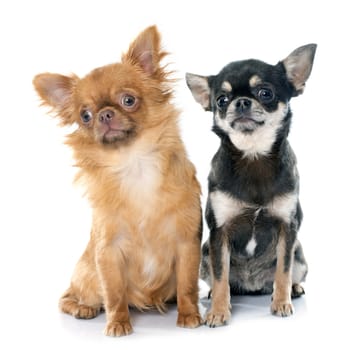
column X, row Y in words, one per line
column 253, row 209
column 145, row 244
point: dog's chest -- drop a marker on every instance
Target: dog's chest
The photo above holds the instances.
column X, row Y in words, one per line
column 252, row 230
column 139, row 175
column 256, row 181
column 151, row 254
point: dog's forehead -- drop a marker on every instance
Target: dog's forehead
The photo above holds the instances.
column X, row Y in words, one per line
column 247, row 74
column 106, row 81
column 113, row 74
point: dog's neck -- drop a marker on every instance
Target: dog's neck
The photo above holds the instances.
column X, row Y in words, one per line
column 259, row 145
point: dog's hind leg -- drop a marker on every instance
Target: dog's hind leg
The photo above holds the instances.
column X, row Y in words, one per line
column 297, row 291
column 70, row 304
column 83, row 299
column 299, row 272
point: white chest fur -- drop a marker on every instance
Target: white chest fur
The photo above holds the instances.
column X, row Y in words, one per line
column 226, row 208
column 284, row 206
column 138, row 172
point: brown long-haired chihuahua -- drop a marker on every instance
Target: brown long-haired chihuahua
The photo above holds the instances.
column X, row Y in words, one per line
column 145, row 240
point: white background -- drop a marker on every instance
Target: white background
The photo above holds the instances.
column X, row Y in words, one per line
column 45, row 221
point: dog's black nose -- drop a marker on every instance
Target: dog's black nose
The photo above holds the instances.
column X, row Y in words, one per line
column 105, row 116
column 243, row 104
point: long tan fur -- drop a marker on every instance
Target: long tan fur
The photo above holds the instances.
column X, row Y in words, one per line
column 144, row 248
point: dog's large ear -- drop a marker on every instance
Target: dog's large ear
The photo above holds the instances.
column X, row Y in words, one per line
column 200, row 89
column 56, row 91
column 145, row 51
column 298, row 66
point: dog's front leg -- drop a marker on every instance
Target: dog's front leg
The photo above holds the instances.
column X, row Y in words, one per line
column 111, row 265
column 187, row 268
column 219, row 252
column 281, row 299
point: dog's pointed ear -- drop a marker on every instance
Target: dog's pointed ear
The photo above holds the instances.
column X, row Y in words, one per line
column 298, row 66
column 56, row 91
column 145, row 51
column 199, row 86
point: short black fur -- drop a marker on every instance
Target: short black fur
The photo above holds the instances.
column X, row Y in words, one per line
column 253, row 211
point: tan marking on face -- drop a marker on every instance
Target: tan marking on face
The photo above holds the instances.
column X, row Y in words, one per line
column 254, row 81
column 226, row 86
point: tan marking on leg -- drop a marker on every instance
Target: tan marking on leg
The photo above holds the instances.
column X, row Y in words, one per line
column 281, row 298
column 219, row 313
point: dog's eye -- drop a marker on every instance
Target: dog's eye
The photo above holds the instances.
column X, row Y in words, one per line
column 128, row 101
column 222, row 101
column 266, row 95
column 86, row 116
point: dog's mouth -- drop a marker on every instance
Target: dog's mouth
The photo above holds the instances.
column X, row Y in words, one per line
column 114, row 131
column 113, row 135
column 246, row 122
column 246, row 119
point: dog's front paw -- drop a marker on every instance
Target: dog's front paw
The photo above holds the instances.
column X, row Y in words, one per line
column 189, row 321
column 118, row 329
column 282, row 308
column 216, row 319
